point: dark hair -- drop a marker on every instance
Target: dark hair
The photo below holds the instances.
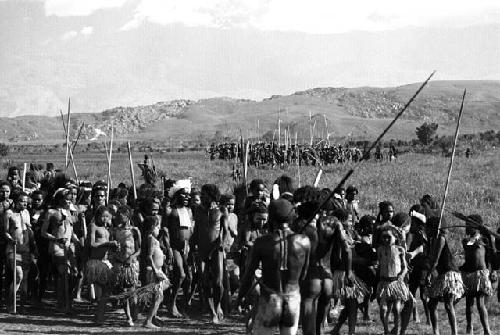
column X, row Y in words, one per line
column 429, row 201
column 305, row 193
column 351, row 189
column 150, row 222
column 366, row 225
column 285, row 184
column 12, row 169
column 100, row 210
column 4, row 183
column 307, row 209
column 121, row 193
column 37, row 192
column 256, row 207
column 17, row 196
column 124, row 210
column 212, row 191
column 254, row 184
column 225, row 198
column 401, row 219
column 384, row 205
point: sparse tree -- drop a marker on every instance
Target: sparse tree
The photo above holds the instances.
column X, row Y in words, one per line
column 426, row 133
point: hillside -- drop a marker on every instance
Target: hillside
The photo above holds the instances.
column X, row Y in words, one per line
column 354, row 112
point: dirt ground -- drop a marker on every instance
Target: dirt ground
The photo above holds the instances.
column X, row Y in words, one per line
column 46, row 320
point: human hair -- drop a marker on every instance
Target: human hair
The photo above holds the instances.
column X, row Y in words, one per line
column 150, row 222
column 256, row 207
column 366, row 225
column 100, row 211
column 285, row 184
column 17, row 196
column 11, row 170
column 254, row 185
column 38, row 192
column 351, row 189
column 5, row 183
column 225, row 198
column 212, row 191
column 305, row 193
column 306, row 209
column 384, row 206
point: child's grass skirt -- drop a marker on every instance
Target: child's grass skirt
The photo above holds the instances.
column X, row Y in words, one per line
column 447, row 286
column 342, row 289
column 393, row 290
column 477, row 283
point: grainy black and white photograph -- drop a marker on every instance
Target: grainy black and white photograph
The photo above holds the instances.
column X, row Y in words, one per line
column 249, row 167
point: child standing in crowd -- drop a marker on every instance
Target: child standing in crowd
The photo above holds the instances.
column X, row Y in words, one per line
column 20, row 245
column 98, row 268
column 476, row 272
column 445, row 282
column 392, row 291
column 155, row 259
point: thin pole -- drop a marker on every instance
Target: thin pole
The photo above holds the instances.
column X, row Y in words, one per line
column 109, row 162
column 14, row 291
column 132, row 175
column 450, row 167
column 67, row 131
column 25, row 167
column 298, row 158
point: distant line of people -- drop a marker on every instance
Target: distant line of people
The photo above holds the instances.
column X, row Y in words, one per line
column 272, row 154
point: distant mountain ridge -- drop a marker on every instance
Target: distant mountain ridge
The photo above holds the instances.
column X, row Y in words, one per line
column 354, row 112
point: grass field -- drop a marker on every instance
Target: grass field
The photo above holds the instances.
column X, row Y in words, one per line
column 474, row 188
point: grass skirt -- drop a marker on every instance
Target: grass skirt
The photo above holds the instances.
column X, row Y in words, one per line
column 477, row 283
column 447, row 286
column 392, row 291
column 341, row 288
column 126, row 275
column 99, row 272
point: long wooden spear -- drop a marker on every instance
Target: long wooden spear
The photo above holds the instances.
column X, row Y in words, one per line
column 374, row 144
column 450, row 167
column 132, row 175
column 67, row 131
column 298, row 158
column 109, row 162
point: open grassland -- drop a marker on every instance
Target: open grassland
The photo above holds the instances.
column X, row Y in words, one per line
column 474, row 188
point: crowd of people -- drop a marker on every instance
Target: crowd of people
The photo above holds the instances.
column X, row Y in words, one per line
column 272, row 154
column 282, row 256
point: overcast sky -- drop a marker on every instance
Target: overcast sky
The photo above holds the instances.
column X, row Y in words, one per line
column 140, row 51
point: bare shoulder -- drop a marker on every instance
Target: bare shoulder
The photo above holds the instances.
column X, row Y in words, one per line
column 302, row 240
column 401, row 249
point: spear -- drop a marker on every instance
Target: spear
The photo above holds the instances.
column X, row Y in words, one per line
column 109, row 162
column 450, row 167
column 69, row 152
column 374, row 144
column 131, row 170
column 298, row 158
column 25, row 167
column 67, row 131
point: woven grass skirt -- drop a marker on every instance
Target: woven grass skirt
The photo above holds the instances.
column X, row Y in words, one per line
column 342, row 290
column 447, row 286
column 477, row 283
column 395, row 290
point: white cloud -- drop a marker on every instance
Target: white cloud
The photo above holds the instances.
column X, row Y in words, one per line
column 69, row 35
column 78, row 7
column 316, row 16
column 86, row 31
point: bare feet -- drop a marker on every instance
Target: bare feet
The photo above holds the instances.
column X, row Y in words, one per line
column 215, row 319
column 130, row 323
column 175, row 312
column 220, row 313
column 150, row 325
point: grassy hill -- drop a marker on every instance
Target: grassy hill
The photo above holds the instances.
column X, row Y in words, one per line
column 342, row 112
